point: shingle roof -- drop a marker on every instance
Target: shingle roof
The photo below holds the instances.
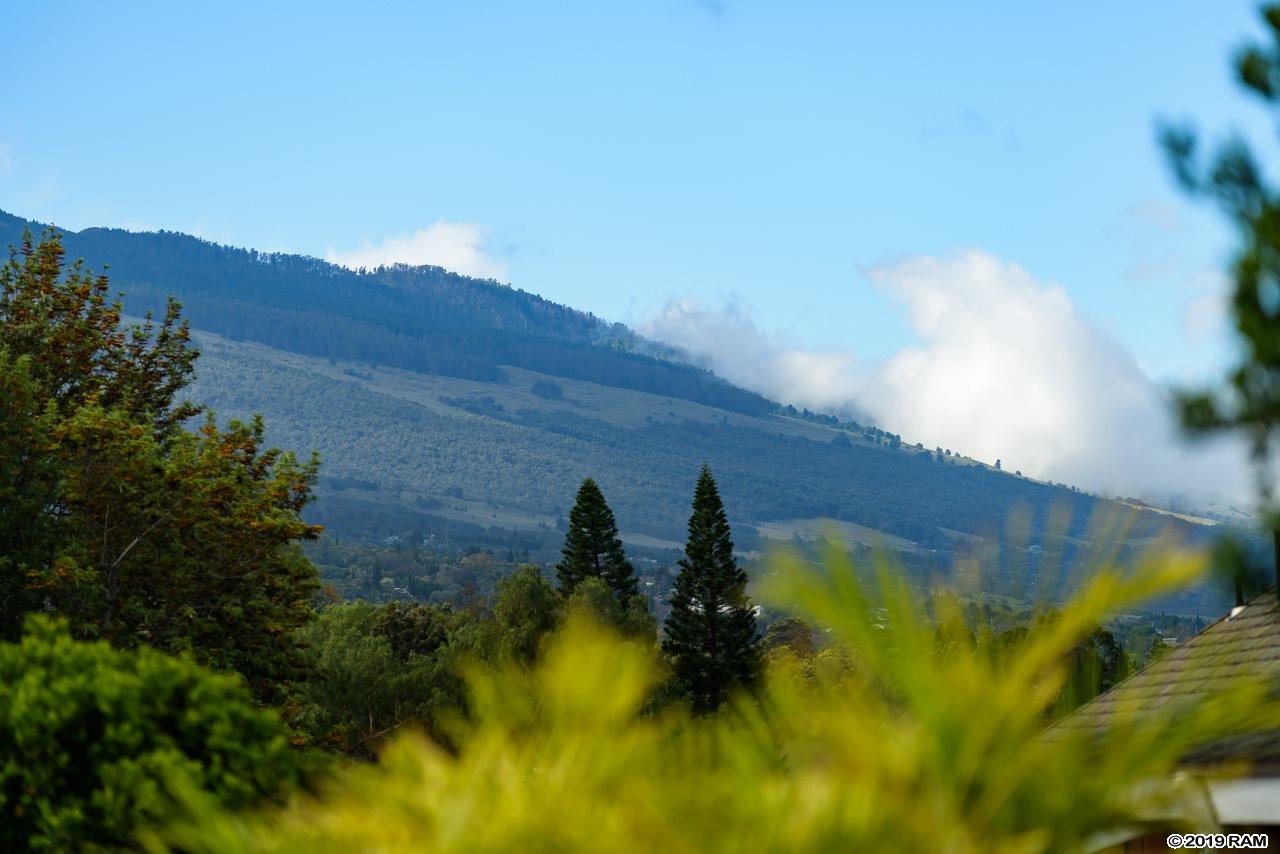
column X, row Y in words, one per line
column 1245, row 644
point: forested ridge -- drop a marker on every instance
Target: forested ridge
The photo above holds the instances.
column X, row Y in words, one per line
column 419, row 318
column 528, row 458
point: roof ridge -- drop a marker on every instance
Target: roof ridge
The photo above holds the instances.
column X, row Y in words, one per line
column 1177, row 656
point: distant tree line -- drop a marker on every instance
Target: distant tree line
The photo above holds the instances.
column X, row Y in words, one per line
column 417, row 318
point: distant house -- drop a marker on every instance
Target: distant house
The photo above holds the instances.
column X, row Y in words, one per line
column 1244, row 644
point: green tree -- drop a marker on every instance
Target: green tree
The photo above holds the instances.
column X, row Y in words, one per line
column 525, row 612
column 116, row 516
column 186, row 545
column 93, row 740
column 64, row 319
column 630, row 617
column 790, row 633
column 377, row 669
column 592, row 548
column 1156, row 651
column 416, row 629
column 1095, row 665
column 711, row 634
column 28, row 487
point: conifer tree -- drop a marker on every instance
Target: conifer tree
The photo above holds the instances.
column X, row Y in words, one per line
column 711, row 634
column 592, row 548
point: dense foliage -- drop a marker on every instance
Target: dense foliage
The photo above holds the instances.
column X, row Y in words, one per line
column 376, row 670
column 410, row 569
column 116, row 516
column 94, row 741
column 889, row 742
column 380, row 668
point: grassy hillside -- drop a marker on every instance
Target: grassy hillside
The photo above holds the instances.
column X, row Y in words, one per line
column 407, row 452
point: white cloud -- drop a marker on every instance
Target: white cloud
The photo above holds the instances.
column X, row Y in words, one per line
column 1004, row 368
column 457, row 246
column 729, row 340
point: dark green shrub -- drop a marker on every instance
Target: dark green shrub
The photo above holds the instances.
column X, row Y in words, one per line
column 95, row 740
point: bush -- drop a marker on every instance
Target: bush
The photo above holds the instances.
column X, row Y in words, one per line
column 630, row 618
column 890, row 742
column 93, row 740
column 525, row 612
column 376, row 670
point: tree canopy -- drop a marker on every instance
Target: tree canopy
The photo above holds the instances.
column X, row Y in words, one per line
column 112, row 512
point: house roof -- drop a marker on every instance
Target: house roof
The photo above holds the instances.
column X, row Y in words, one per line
column 1245, row 644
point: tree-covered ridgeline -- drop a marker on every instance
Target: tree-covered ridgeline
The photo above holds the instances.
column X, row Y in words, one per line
column 526, row 459
column 418, row 318
column 531, row 461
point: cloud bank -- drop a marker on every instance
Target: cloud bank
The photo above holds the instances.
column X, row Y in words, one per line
column 728, row 340
column 458, row 246
column 1004, row 367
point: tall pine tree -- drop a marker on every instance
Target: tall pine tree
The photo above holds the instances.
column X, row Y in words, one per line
column 711, row 634
column 592, row 548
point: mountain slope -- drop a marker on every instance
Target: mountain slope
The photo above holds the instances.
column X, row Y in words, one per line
column 418, row 318
column 499, row 442
column 435, row 399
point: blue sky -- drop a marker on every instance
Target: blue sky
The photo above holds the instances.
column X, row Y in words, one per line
column 616, row 156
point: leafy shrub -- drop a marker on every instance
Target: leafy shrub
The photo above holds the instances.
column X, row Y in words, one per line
column 629, row 617
column 524, row 613
column 889, row 741
column 376, row 670
column 93, row 740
